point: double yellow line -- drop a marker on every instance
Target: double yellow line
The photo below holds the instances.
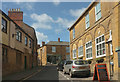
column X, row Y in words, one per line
column 30, row 75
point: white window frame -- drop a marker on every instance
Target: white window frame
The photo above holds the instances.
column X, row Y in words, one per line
column 99, row 12
column 79, row 51
column 26, row 40
column 86, row 49
column 30, row 43
column 4, row 25
column 99, row 44
column 111, row 49
column 87, row 22
column 19, row 36
column 53, row 49
column 74, row 53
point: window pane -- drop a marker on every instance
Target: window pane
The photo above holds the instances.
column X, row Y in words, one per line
column 97, row 47
column 97, row 40
column 87, row 20
column 103, row 51
column 53, row 49
column 102, row 38
column 26, row 40
column 103, row 45
column 4, row 25
column 97, row 53
column 98, row 11
column 89, row 50
column 30, row 43
column 100, row 46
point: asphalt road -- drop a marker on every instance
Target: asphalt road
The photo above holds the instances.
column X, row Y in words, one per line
column 47, row 73
column 51, row 73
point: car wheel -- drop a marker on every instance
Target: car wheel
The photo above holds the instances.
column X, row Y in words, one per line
column 64, row 71
column 71, row 75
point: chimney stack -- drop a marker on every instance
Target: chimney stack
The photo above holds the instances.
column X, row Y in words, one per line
column 58, row 39
column 38, row 46
column 43, row 43
column 16, row 15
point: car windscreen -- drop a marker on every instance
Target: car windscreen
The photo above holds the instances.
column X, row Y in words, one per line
column 69, row 62
column 81, row 62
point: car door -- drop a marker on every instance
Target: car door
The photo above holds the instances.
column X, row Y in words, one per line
column 68, row 66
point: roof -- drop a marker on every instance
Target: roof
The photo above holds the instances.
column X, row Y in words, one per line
column 81, row 15
column 57, row 43
column 30, row 30
column 18, row 27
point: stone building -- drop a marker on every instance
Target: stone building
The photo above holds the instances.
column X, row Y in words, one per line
column 18, row 43
column 53, row 52
column 95, row 36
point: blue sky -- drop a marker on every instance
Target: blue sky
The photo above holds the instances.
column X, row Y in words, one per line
column 49, row 19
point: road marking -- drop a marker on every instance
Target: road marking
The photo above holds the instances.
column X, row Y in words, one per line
column 64, row 76
column 32, row 74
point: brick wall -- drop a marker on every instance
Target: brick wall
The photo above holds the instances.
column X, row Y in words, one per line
column 108, row 21
column 16, row 16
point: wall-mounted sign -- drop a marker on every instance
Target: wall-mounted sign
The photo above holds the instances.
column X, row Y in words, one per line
column 101, row 73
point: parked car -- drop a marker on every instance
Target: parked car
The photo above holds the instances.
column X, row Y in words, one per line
column 77, row 67
column 60, row 65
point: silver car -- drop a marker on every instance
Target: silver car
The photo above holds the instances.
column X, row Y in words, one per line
column 77, row 67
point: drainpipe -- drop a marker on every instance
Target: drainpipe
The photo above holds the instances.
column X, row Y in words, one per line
column 109, row 42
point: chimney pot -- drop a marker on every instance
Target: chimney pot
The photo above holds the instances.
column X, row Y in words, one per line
column 58, row 39
column 12, row 9
column 19, row 9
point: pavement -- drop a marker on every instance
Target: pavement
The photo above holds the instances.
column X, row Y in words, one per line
column 23, row 74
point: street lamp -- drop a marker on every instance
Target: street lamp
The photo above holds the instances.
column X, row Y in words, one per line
column 14, row 35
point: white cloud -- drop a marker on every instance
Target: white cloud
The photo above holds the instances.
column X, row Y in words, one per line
column 42, row 21
column 41, row 37
column 28, row 6
column 56, row 2
column 58, row 31
column 77, row 12
column 64, row 22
